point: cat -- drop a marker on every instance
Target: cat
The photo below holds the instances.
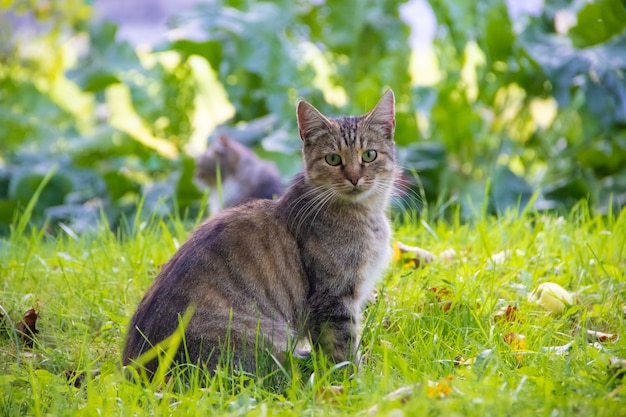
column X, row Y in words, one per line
column 243, row 175
column 253, row 279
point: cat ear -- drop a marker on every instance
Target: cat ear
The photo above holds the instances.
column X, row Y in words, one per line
column 222, row 143
column 310, row 120
column 384, row 113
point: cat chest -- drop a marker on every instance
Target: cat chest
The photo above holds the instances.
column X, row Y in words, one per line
column 373, row 265
column 360, row 258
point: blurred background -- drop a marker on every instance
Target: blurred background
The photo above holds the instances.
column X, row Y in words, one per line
column 499, row 104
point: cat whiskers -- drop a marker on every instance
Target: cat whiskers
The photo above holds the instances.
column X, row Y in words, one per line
column 323, row 201
column 315, row 190
column 406, row 197
column 318, row 198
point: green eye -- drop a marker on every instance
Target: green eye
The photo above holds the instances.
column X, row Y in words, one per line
column 333, row 159
column 369, row 155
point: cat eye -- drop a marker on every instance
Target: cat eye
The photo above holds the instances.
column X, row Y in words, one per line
column 369, row 155
column 333, row 159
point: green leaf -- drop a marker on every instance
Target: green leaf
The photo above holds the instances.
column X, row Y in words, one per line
column 597, row 22
column 119, row 184
column 508, row 190
column 186, row 191
column 499, row 36
column 98, row 81
column 210, row 50
column 566, row 192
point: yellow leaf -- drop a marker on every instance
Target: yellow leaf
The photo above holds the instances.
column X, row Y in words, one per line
column 397, row 255
column 439, row 389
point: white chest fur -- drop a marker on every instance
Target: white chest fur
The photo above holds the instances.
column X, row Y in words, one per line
column 375, row 265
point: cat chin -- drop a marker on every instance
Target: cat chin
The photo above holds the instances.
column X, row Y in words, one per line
column 355, row 196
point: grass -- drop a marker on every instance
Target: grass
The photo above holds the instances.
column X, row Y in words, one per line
column 86, row 288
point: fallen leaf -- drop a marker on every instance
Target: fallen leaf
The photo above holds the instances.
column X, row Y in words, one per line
column 441, row 293
column 551, row 297
column 448, row 255
column 508, row 314
column 617, row 367
column 517, row 342
column 500, row 257
column 594, row 336
column 558, row 350
column 397, row 253
column 27, row 327
column 403, row 394
column 74, row 378
column 439, row 389
column 422, row 256
column 329, row 393
column 459, row 360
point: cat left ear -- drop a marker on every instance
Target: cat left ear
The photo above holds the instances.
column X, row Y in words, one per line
column 384, row 113
column 310, row 120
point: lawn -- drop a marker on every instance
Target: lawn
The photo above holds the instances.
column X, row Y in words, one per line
column 456, row 336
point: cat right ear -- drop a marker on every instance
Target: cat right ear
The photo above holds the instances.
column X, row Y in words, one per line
column 310, row 121
column 383, row 113
column 222, row 143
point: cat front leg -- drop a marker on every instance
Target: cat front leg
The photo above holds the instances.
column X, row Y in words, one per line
column 333, row 329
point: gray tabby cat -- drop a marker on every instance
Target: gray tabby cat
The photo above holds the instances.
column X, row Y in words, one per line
column 243, row 175
column 261, row 275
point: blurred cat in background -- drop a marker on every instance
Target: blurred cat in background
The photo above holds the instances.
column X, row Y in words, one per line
column 243, row 175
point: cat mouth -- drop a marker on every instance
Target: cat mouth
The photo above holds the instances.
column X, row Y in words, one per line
column 356, row 194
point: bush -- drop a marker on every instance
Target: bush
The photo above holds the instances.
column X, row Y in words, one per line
column 519, row 108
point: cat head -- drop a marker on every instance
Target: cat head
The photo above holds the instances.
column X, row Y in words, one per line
column 352, row 157
column 222, row 152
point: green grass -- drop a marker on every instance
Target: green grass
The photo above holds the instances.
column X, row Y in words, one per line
column 86, row 289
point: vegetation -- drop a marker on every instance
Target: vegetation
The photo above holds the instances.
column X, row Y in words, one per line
column 457, row 336
column 515, row 123
column 512, row 106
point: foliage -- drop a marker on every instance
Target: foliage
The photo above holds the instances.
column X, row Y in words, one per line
column 440, row 333
column 519, row 107
column 499, row 84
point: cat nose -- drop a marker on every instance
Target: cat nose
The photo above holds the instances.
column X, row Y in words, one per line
column 354, row 180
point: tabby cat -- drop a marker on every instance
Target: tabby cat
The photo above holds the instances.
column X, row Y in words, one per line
column 256, row 277
column 243, row 175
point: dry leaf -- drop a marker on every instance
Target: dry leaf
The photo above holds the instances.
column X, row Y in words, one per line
column 329, row 393
column 551, row 297
column 441, row 293
column 27, row 327
column 508, row 314
column 594, row 336
column 403, row 394
column 448, row 255
column 517, row 342
column 397, row 253
column 461, row 361
column 617, row 367
column 439, row 389
column 559, row 350
column 422, row 256
column 500, row 257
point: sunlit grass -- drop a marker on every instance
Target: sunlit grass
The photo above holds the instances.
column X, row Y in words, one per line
column 86, row 289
